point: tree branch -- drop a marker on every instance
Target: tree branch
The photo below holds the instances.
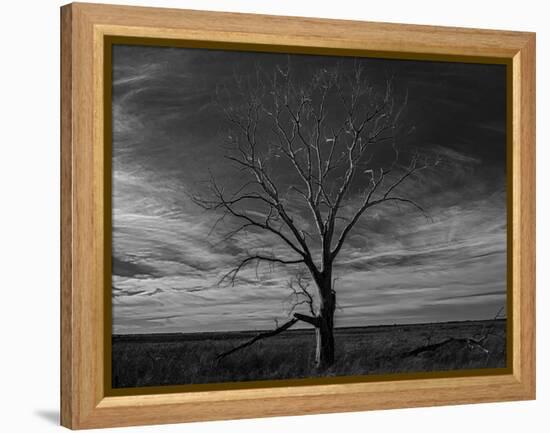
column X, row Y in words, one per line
column 470, row 342
column 232, row 274
column 297, row 317
column 220, row 202
column 258, row 337
column 367, row 203
column 302, row 292
column 308, row 319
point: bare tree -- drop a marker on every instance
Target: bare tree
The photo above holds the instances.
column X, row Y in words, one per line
column 314, row 154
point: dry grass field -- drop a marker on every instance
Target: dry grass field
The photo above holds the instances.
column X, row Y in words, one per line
column 177, row 359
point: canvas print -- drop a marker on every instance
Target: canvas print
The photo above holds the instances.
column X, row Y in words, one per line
column 288, row 216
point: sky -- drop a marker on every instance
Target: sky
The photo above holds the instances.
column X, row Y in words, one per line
column 170, row 138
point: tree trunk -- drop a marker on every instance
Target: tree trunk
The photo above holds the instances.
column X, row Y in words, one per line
column 324, row 351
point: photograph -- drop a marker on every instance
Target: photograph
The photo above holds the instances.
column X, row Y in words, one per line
column 280, row 216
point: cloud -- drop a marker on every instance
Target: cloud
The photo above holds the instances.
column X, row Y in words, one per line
column 129, row 269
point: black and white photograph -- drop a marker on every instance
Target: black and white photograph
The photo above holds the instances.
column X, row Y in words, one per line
column 283, row 216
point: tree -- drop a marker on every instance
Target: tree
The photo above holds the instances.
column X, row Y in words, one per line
column 333, row 135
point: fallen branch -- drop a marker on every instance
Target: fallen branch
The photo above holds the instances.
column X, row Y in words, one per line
column 308, row 319
column 267, row 334
column 469, row 341
column 431, row 347
column 297, row 317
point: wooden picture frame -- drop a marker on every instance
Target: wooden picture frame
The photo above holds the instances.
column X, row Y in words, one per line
column 85, row 221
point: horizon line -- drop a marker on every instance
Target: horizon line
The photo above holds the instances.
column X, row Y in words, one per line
column 307, row 329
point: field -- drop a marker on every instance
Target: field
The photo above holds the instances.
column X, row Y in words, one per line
column 177, row 359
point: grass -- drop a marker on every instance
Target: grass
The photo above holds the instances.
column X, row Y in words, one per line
column 177, row 359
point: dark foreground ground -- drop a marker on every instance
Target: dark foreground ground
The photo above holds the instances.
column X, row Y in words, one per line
column 177, row 359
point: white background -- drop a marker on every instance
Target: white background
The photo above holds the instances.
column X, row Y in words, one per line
column 29, row 241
